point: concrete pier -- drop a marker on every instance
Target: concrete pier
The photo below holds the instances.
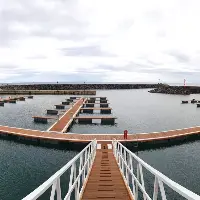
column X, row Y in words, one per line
column 60, row 106
column 52, row 112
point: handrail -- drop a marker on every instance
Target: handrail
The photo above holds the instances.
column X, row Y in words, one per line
column 83, row 162
column 125, row 159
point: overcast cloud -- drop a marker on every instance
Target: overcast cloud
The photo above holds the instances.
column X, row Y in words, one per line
column 100, row 40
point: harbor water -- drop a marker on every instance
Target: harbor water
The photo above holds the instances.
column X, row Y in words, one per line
column 24, row 167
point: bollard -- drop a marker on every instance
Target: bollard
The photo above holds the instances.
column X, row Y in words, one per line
column 125, row 134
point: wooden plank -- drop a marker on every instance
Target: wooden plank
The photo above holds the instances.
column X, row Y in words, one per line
column 105, row 180
column 64, row 121
column 83, row 138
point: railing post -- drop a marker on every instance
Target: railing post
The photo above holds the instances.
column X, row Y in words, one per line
column 53, row 191
column 76, row 187
column 162, row 190
column 142, row 179
column 155, row 192
column 86, row 158
column 127, row 162
column 58, row 190
column 85, row 166
column 131, row 168
column 138, row 178
column 121, row 163
column 118, row 153
column 71, row 178
column 126, row 170
column 79, row 180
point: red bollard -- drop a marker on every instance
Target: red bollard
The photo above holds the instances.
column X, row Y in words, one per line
column 125, row 134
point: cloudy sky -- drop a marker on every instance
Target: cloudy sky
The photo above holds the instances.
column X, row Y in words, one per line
column 100, row 40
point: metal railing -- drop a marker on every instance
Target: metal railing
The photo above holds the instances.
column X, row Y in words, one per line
column 135, row 182
column 80, row 167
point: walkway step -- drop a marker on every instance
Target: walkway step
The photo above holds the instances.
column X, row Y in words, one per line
column 105, row 180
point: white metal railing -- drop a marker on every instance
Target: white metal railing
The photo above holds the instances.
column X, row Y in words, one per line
column 126, row 160
column 79, row 167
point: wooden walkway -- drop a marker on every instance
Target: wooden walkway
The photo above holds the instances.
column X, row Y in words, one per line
column 64, row 122
column 105, row 180
column 82, row 138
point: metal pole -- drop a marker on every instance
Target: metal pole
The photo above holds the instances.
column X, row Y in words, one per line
column 84, row 89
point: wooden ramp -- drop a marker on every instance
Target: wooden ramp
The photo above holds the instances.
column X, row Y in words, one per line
column 64, row 122
column 105, row 180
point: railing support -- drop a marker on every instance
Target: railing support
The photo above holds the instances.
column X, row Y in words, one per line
column 83, row 162
column 125, row 159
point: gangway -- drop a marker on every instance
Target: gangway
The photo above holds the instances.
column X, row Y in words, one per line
column 116, row 168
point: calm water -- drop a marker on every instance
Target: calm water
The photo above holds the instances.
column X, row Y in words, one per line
column 24, row 167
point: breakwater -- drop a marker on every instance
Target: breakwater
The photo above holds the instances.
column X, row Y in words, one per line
column 48, row 92
column 56, row 87
column 182, row 90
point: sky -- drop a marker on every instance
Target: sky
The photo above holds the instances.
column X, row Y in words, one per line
column 99, row 41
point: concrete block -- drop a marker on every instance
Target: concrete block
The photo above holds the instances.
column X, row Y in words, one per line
column 65, row 102
column 52, row 112
column 104, row 105
column 110, row 121
column 85, row 121
column 89, row 105
column 103, row 101
column 106, row 111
